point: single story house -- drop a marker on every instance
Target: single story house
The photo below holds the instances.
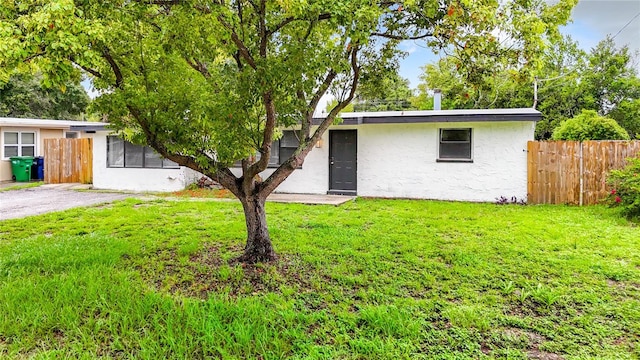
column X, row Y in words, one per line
column 470, row 155
column 25, row 137
column 121, row 165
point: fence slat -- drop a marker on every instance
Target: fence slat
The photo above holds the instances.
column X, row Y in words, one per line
column 554, row 170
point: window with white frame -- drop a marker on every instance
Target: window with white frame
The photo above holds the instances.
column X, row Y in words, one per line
column 123, row 154
column 18, row 143
column 454, row 145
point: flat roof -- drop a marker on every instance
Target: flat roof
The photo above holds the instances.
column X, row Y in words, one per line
column 44, row 123
column 394, row 117
column 426, row 116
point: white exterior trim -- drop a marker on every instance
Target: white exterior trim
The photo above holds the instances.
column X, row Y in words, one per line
column 436, row 113
column 43, row 123
column 36, row 131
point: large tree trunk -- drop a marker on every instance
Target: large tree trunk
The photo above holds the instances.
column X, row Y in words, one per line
column 258, row 248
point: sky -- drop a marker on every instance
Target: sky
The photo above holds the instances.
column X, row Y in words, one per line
column 593, row 20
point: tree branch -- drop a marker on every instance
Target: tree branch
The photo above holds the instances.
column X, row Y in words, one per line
column 306, row 125
column 222, row 175
column 291, row 19
column 400, row 37
column 331, row 75
column 114, row 67
column 199, row 67
column 244, row 51
column 269, row 128
column 293, row 162
column 89, row 70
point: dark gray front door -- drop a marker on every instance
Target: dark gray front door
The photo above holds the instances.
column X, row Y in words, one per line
column 343, row 149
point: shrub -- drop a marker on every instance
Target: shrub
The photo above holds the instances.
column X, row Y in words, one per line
column 589, row 126
column 626, row 188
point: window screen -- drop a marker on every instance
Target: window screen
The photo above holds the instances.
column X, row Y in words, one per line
column 455, row 144
column 18, row 143
column 288, row 145
column 121, row 153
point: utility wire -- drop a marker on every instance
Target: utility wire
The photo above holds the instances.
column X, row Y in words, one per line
column 624, row 27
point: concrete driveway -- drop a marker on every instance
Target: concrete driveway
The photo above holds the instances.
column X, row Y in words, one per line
column 48, row 198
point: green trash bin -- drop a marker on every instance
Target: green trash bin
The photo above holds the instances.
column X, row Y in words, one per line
column 21, row 167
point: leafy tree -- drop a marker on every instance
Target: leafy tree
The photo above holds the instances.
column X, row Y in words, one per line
column 208, row 83
column 459, row 93
column 23, row 96
column 568, row 81
column 609, row 78
column 388, row 92
column 589, row 126
column 627, row 114
column 384, row 93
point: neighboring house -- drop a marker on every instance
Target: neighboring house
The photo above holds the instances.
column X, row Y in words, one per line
column 25, row 137
column 472, row 155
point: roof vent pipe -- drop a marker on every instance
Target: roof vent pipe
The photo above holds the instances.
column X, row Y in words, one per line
column 437, row 99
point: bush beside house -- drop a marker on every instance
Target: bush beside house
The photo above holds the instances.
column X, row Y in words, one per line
column 589, row 126
column 626, row 188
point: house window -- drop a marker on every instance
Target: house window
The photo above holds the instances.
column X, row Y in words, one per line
column 18, row 143
column 281, row 149
column 123, row 154
column 455, row 145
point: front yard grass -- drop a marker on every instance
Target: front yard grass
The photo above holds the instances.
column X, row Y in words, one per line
column 372, row 279
column 19, row 186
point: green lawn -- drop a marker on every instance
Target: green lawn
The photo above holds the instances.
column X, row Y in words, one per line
column 372, row 279
column 18, row 186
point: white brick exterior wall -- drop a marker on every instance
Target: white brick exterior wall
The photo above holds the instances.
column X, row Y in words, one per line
column 133, row 179
column 399, row 160
column 394, row 160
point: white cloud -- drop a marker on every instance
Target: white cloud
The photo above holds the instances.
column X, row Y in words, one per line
column 409, row 46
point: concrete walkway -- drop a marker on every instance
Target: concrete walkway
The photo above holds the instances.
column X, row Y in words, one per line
column 56, row 197
column 49, row 198
column 310, row 199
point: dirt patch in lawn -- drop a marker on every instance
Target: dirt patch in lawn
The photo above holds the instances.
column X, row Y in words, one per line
column 210, row 270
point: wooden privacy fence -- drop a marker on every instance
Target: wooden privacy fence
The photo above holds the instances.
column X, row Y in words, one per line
column 573, row 172
column 68, row 161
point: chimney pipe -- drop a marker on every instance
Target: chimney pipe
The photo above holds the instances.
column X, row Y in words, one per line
column 437, row 99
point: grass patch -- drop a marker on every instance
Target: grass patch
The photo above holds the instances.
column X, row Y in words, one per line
column 19, row 186
column 381, row 279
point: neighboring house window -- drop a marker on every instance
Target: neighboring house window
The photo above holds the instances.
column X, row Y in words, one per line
column 18, row 143
column 455, row 145
column 123, row 154
column 71, row 135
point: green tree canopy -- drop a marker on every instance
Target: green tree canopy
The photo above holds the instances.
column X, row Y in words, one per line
column 589, row 126
column 23, row 96
column 386, row 92
column 209, row 83
column 568, row 81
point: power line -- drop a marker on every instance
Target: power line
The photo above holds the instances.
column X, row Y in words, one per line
column 624, row 27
